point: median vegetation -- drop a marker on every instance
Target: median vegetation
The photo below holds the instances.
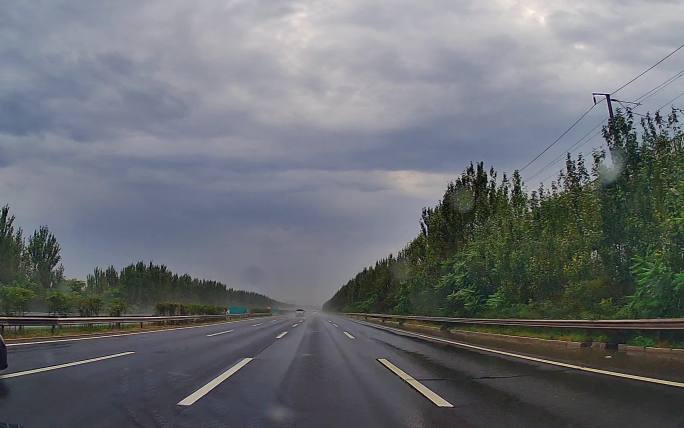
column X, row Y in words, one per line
column 173, row 309
column 604, row 240
column 32, row 279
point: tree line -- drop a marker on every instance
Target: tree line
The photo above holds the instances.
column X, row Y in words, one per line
column 605, row 240
column 32, row 278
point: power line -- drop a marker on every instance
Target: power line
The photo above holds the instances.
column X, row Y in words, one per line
column 671, row 101
column 575, row 145
column 648, row 69
column 559, row 137
column 560, row 157
column 579, row 143
column 609, row 95
column 648, row 94
column 628, row 109
column 583, row 115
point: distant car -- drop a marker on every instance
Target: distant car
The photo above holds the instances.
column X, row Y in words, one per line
column 3, row 354
column 299, row 313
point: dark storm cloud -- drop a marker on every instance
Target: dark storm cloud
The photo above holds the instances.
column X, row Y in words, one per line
column 280, row 146
column 86, row 98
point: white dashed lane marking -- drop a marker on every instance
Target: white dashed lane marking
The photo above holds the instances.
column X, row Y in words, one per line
column 427, row 392
column 192, row 398
column 535, row 359
column 220, row 332
column 63, row 366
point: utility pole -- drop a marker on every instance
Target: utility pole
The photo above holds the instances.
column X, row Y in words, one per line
column 608, row 101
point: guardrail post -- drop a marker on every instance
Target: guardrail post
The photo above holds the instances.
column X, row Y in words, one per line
column 615, row 337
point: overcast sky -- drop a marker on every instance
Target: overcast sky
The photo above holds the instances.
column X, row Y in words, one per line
column 280, row 146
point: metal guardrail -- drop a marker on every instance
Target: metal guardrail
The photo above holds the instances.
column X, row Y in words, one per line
column 55, row 322
column 638, row 324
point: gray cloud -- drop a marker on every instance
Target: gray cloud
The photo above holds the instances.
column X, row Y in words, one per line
column 281, row 146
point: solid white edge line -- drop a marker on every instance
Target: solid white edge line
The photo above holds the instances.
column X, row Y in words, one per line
column 220, row 332
column 192, row 398
column 76, row 339
column 427, row 392
column 535, row 359
column 280, row 336
column 62, row 366
column 349, row 335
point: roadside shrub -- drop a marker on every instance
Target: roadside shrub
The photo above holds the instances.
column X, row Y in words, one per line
column 642, row 341
column 15, row 300
column 659, row 291
column 167, row 309
column 88, row 306
column 172, row 309
column 58, row 303
column 117, row 308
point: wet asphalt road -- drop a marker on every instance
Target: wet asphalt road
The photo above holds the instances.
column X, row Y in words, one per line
column 324, row 372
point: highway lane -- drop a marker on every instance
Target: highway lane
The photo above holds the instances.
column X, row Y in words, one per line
column 491, row 390
column 324, row 371
column 30, row 354
column 323, row 378
column 140, row 389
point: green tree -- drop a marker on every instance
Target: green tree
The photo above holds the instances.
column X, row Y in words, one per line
column 43, row 253
column 11, row 247
column 15, row 300
column 604, row 243
column 88, row 306
column 117, row 308
column 76, row 286
column 59, row 303
column 659, row 290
